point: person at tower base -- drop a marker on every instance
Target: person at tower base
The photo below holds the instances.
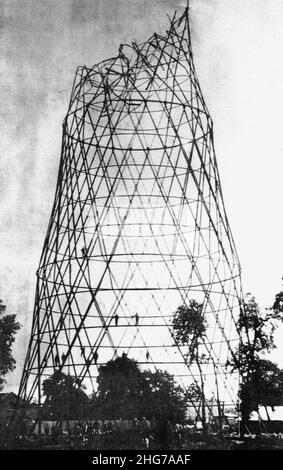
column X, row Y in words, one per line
column 57, row 360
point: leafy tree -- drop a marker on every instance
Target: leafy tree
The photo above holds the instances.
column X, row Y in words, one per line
column 193, row 392
column 189, row 328
column 165, row 403
column 265, row 386
column 65, row 397
column 278, row 304
column 257, row 329
column 260, row 377
column 8, row 330
column 165, row 400
column 121, row 388
column 124, row 391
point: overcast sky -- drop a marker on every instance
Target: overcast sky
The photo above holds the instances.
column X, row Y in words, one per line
column 238, row 48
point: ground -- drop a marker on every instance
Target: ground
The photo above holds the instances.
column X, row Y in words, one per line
column 136, row 440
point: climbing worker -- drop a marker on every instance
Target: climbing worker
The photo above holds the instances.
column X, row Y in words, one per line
column 116, row 319
column 137, row 318
column 82, row 351
column 147, row 355
column 63, row 357
column 84, row 252
column 57, row 361
column 95, row 356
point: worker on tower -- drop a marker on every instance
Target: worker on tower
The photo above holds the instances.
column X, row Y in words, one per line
column 136, row 317
column 82, row 351
column 84, row 252
column 57, row 360
column 147, row 355
column 95, row 356
column 63, row 357
column 121, row 49
column 116, row 319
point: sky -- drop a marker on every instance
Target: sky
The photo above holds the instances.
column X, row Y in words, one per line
column 237, row 47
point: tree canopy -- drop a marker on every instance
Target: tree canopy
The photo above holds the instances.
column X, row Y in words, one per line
column 121, row 388
column 125, row 391
column 65, row 397
column 164, row 398
column 189, row 327
column 8, row 330
column 262, row 382
column 265, row 385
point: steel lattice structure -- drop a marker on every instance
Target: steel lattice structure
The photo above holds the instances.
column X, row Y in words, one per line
column 138, row 225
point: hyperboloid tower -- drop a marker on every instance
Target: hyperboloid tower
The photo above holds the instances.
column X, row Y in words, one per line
column 138, row 227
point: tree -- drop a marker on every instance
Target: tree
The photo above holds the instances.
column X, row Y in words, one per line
column 65, row 397
column 8, row 330
column 189, row 328
column 193, row 393
column 165, row 400
column 265, row 386
column 124, row 391
column 121, row 388
column 257, row 328
column 261, row 378
column 165, row 403
column 278, row 304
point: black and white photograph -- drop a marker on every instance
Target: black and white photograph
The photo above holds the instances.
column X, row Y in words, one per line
column 141, row 229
